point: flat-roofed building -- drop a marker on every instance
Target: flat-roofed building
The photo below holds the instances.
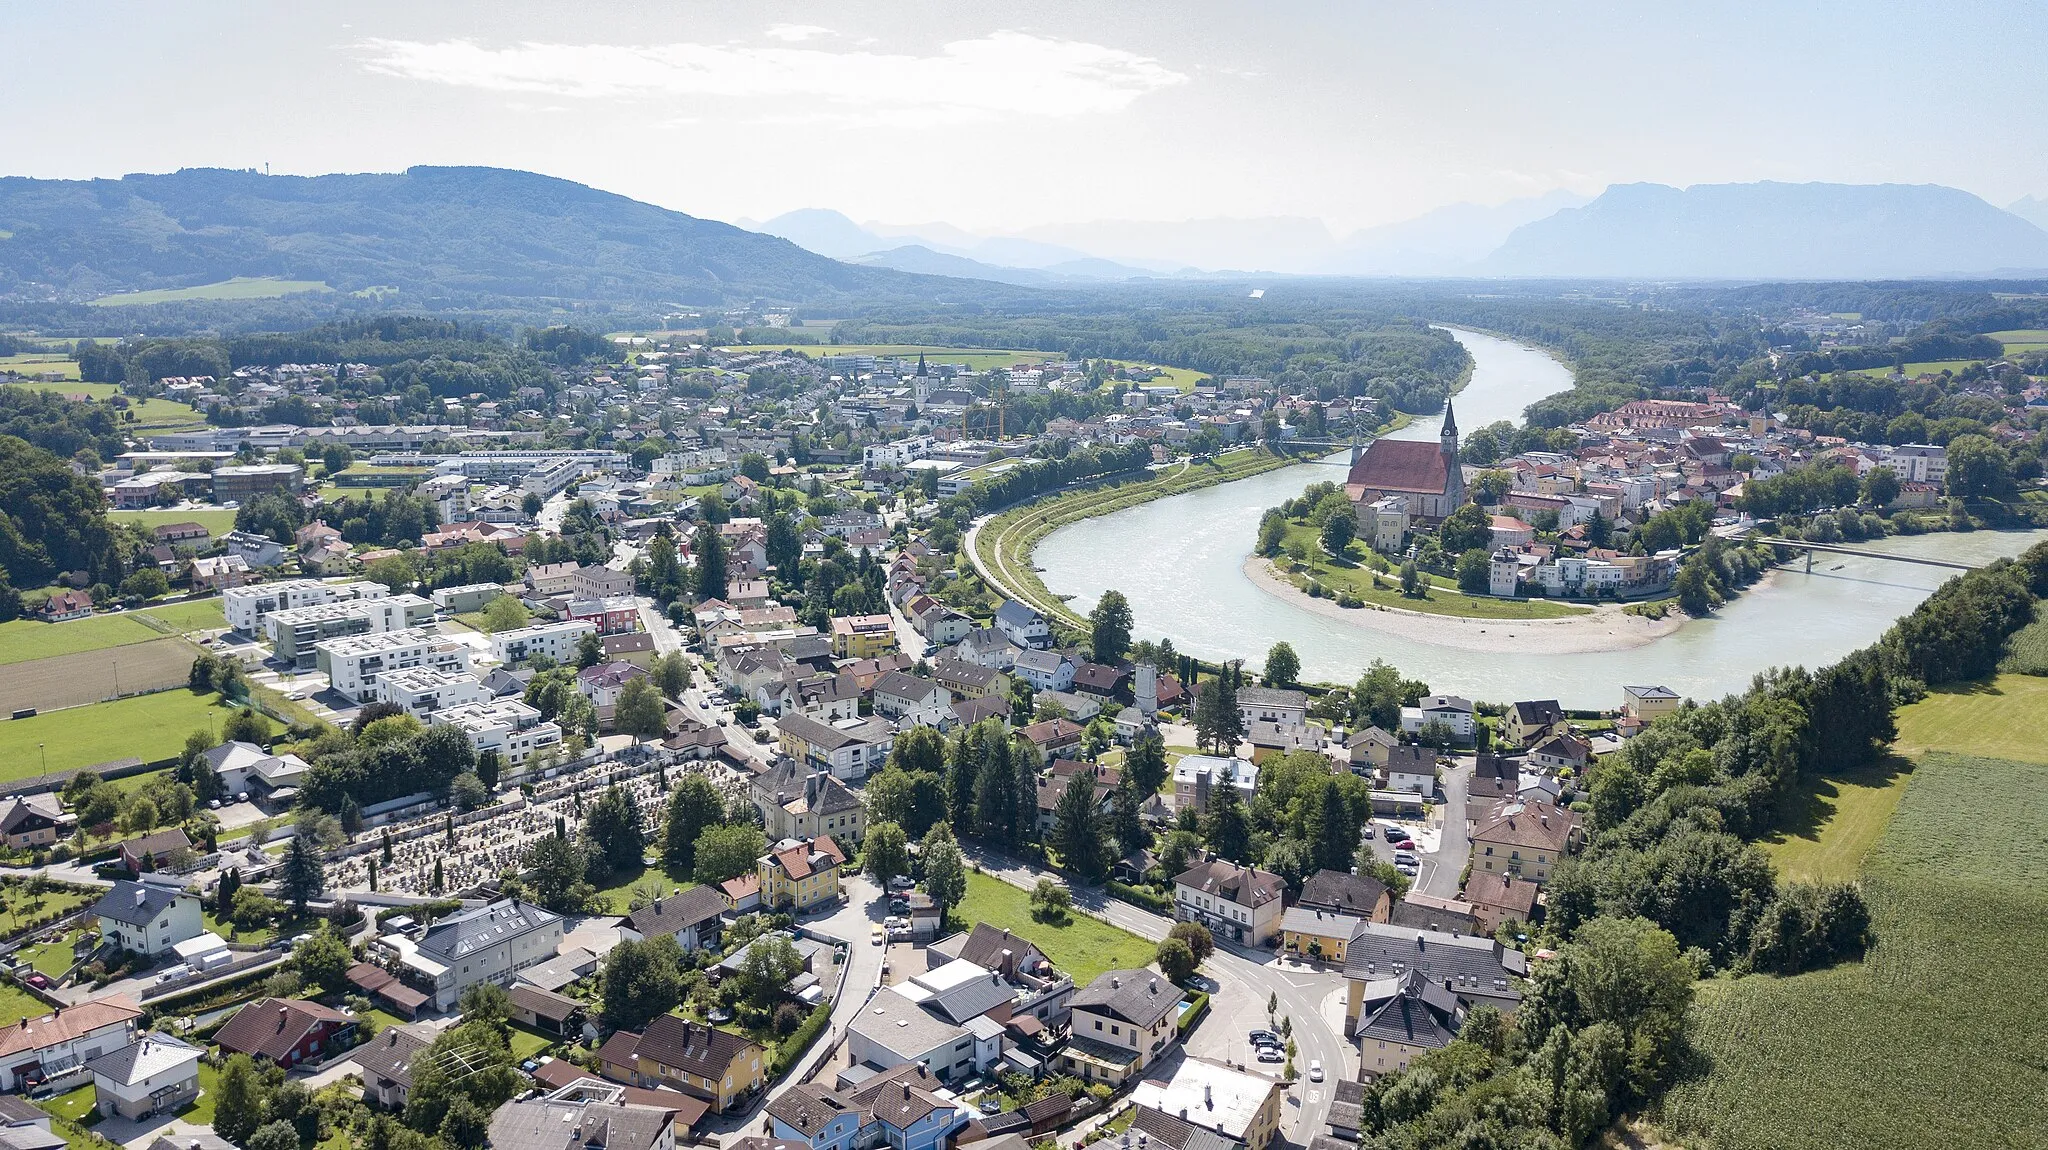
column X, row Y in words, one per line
column 352, row 665
column 507, row 726
column 555, row 640
column 245, row 607
column 295, row 631
column 420, row 691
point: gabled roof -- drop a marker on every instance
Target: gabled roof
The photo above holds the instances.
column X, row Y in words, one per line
column 670, row 914
column 147, row 1057
column 273, row 1027
column 1226, row 880
column 1536, row 825
column 66, row 1024
column 691, row 1046
column 1538, row 712
column 135, row 903
column 1473, row 964
column 547, row 1004
column 985, row 946
column 898, row 685
column 460, row 935
column 1410, row 1009
column 1415, row 465
column 390, row 1054
column 902, row 1097
column 1342, row 892
column 1139, row 997
column 1270, row 697
column 1017, row 614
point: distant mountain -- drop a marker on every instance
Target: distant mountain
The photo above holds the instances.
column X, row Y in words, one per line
column 1446, row 241
column 2032, row 209
column 823, row 231
column 924, row 261
column 1774, row 231
column 445, row 236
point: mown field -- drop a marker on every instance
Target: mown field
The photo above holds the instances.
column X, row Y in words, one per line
column 216, row 520
column 1936, row 1038
column 1842, row 820
column 2002, row 719
column 41, row 363
column 238, row 288
column 147, row 727
column 90, row 676
column 1083, row 948
column 26, row 640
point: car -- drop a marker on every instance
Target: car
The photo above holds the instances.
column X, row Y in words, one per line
column 213, row 804
column 241, row 796
column 719, row 1014
column 1404, row 845
column 1409, row 869
column 39, row 980
column 1406, row 854
column 1315, row 1070
column 530, row 1065
column 902, row 882
column 297, row 939
column 892, row 922
column 1392, row 833
column 1264, row 1037
column 1270, row 1054
column 991, row 1104
column 1367, row 832
column 178, row 971
column 875, row 936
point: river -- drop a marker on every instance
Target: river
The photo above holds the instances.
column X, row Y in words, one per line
column 1180, row 562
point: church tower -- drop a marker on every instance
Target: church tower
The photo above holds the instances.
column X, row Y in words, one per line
column 1447, row 446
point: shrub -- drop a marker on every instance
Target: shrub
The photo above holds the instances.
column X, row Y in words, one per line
column 788, row 1017
column 792, row 1048
column 1139, row 896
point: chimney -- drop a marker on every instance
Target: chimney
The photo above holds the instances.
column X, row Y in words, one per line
column 1208, row 1096
column 1116, row 982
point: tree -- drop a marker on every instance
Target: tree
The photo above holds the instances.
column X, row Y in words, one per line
column 945, row 871
column 488, row 766
column 1146, row 763
column 1475, row 572
column 642, row 981
column 664, row 575
column 1695, row 593
column 1411, row 580
column 324, row 959
column 1050, row 902
column 919, row 749
column 469, row 1063
column 1225, row 824
column 1977, row 468
column 1077, row 827
column 725, row 852
column 1283, row 666
column 1881, row 487
column 886, row 852
column 1198, row 938
column 1337, row 533
column 301, row 878
column 708, row 547
column 765, row 972
column 238, row 1100
column 146, row 583
column 246, row 725
column 486, row 1002
column 274, row 1136
column 1176, row 960
column 394, row 571
column 1467, row 527
column 1109, row 626
column 1126, row 821
column 611, row 827
column 469, row 792
column 589, row 650
column 556, row 867
column 1218, row 723
column 671, row 675
column 1336, row 830
column 639, row 711
column 505, row 613
column 693, row 806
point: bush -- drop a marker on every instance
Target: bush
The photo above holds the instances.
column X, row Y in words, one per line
column 792, row 1048
column 1139, row 896
column 1198, row 1008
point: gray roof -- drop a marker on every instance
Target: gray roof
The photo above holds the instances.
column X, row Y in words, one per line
column 827, row 737
column 1270, row 697
column 546, row 1124
column 1474, row 965
column 1410, row 1009
column 898, row 1024
column 672, row 914
column 1036, row 660
column 463, row 934
column 1340, row 891
column 1167, row 1130
column 1017, row 614
column 898, row 685
column 1139, row 997
column 149, row 1055
column 135, row 903
column 390, row 1054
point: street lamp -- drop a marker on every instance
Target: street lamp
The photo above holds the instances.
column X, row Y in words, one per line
column 46, row 757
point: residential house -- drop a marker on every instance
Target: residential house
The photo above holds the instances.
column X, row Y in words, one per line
column 602, row 683
column 1476, row 968
column 1494, row 779
column 1450, row 710
column 490, row 943
column 968, row 712
column 220, row 572
column 1564, row 751
column 1122, row 1022
column 1315, row 933
column 849, row 748
column 987, row 647
column 913, row 701
column 1045, row 670
column 286, row 1031
column 1195, row 777
column 1024, row 626
column 1369, row 749
column 1526, row 722
column 893, row 1030
column 147, row 918
column 1647, row 704
column 1411, row 768
column 722, row 1068
column 1206, row 1105
column 694, row 917
column 1401, row 1017
column 1045, row 991
column 65, row 604
column 862, row 636
column 31, row 821
column 1498, row 897
column 799, row 801
column 1525, row 840
column 1053, row 785
column 1050, row 737
column 248, row 767
column 35, row 1050
column 157, row 1074
column 387, row 1062
column 587, row 1115
column 970, row 680
column 547, row 1011
column 1237, row 904
column 1418, row 911
column 1285, row 709
column 904, row 1108
column 1342, row 892
column 799, row 875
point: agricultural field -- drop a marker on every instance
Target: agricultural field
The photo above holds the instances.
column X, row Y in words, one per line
column 1932, row 367
column 146, row 727
column 2025, row 340
column 1998, row 719
column 217, row 520
column 188, row 616
column 25, row 640
column 1840, row 822
column 41, row 363
column 1935, row 1035
column 974, row 359
column 89, row 676
column 238, row 288
column 1083, row 948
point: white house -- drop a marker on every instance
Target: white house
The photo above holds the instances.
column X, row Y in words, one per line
column 147, row 918
column 911, row 700
column 353, row 664
column 36, row 1049
column 1287, row 710
column 1025, row 627
column 1045, row 670
column 555, row 640
column 1450, row 710
column 491, row 943
column 246, row 766
column 508, row 726
column 156, row 1074
column 1237, row 904
column 420, row 691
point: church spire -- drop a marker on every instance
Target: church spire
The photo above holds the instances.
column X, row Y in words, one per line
column 920, row 364
column 1450, row 431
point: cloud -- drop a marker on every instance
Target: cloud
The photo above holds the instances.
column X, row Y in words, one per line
column 795, row 33
column 1001, row 75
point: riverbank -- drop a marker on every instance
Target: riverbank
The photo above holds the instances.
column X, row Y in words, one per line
column 1605, row 627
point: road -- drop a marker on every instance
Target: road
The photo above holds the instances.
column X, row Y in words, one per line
column 1439, row 873
column 1306, row 993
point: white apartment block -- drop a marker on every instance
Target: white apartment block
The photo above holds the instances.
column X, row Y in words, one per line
column 1918, row 463
column 420, row 691
column 295, row 631
column 509, row 727
column 245, row 607
column 352, row 665
column 555, row 640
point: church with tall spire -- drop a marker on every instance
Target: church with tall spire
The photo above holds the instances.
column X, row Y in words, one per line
column 1426, row 476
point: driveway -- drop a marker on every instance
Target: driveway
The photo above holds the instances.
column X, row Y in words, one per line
column 1441, row 868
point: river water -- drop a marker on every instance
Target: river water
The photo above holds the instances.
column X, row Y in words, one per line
column 1180, row 561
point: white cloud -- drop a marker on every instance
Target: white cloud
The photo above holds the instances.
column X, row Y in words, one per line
column 1003, row 74
column 796, row 33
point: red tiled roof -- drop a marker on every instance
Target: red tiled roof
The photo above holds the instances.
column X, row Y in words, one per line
column 1400, row 465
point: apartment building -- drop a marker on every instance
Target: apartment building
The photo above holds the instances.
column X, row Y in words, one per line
column 245, row 607
column 352, row 665
column 557, row 641
column 296, row 631
column 420, row 691
column 507, row 726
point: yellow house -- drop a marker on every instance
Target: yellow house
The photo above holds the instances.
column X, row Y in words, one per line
column 1309, row 932
column 797, row 874
column 862, row 636
column 704, row 1062
column 1647, row 704
column 1525, row 840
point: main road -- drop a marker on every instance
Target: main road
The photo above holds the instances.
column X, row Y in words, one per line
column 1246, row 978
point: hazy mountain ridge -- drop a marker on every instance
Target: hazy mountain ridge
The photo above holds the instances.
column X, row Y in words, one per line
column 437, row 234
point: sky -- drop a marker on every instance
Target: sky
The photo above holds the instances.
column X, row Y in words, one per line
column 998, row 117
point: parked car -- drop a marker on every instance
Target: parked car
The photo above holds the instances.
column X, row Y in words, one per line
column 902, row 882
column 1270, row 1054
column 178, row 971
column 39, row 980
column 875, row 936
column 1367, row 832
column 1405, row 845
column 1264, row 1038
column 991, row 1104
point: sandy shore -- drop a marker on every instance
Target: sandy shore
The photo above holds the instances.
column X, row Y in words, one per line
column 1605, row 628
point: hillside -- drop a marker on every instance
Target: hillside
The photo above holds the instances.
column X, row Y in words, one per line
column 438, row 236
column 1773, row 230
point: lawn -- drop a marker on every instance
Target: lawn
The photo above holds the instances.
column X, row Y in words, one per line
column 199, row 1111
column 147, row 727
column 528, row 1043
column 975, row 359
column 77, row 1105
column 238, row 288
column 1931, row 367
column 1841, row 820
column 1999, row 719
column 189, row 615
column 43, row 363
column 24, row 640
column 1936, row 1036
column 1348, row 574
column 1083, row 948
column 17, row 1004
column 261, row 936
column 620, row 888
column 52, row 958
column 216, row 520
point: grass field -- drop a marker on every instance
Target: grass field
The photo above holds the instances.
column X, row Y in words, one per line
column 190, row 615
column 1932, row 367
column 2000, row 719
column 2023, row 340
column 238, row 288
column 17, row 1004
column 24, row 640
column 147, row 727
column 1083, row 948
column 91, row 676
column 42, row 363
column 217, row 520
column 975, row 359
column 1842, row 820
column 620, row 889
column 1936, row 1037
column 1444, row 596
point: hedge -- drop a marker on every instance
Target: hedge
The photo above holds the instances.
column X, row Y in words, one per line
column 792, row 1048
column 1197, row 1010
column 1138, row 896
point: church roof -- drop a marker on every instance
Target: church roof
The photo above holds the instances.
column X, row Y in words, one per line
column 1400, row 465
